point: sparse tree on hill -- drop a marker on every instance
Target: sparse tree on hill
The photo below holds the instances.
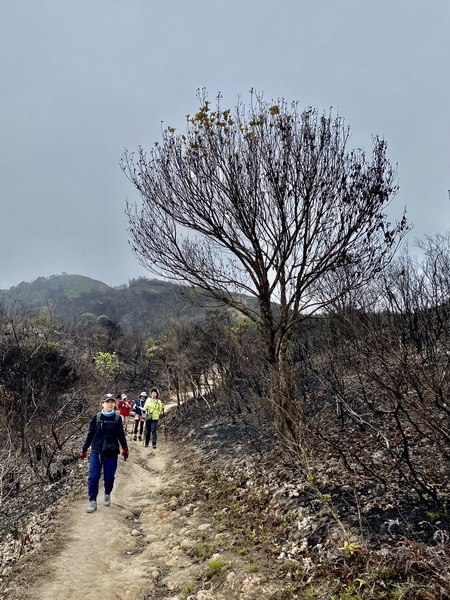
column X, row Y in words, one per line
column 265, row 201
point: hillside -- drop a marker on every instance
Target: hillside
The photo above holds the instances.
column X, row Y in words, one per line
column 357, row 507
column 50, row 288
column 232, row 521
column 144, row 305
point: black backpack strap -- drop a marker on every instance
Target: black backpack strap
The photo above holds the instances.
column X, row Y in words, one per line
column 99, row 418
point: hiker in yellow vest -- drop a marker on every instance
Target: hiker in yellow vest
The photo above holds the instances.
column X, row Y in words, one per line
column 153, row 407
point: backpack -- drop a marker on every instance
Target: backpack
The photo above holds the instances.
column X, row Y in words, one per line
column 110, row 447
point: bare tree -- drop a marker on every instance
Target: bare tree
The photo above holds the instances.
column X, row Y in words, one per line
column 263, row 201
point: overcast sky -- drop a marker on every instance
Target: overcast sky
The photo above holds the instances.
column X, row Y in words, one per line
column 83, row 80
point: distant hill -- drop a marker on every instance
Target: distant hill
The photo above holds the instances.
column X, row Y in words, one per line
column 72, row 286
column 144, row 305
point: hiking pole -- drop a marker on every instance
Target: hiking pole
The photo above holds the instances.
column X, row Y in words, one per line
column 164, row 425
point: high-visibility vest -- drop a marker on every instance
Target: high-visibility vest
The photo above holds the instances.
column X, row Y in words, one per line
column 153, row 408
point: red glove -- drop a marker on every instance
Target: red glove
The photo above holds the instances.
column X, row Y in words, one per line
column 83, row 454
column 125, row 454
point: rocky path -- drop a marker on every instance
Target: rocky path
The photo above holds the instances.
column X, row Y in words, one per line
column 145, row 545
column 100, row 559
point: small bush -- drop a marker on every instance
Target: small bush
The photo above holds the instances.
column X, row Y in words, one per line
column 215, row 566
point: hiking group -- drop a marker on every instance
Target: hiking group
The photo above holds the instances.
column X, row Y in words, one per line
column 107, row 433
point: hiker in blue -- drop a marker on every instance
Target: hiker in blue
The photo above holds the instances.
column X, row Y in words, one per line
column 104, row 435
column 139, row 418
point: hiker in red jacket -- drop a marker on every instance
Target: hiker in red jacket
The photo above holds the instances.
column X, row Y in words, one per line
column 124, row 405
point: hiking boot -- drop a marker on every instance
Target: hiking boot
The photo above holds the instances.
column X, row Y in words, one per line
column 135, row 438
column 107, row 500
column 140, row 438
column 154, row 446
column 91, row 506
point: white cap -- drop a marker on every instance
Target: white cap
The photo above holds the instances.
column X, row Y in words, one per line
column 123, row 396
column 143, row 394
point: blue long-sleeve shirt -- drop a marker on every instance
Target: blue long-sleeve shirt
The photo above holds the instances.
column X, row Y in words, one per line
column 138, row 406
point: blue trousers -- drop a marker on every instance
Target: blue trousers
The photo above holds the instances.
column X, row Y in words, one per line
column 151, row 425
column 109, row 465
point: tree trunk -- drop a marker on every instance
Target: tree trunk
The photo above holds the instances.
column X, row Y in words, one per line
column 288, row 415
column 23, row 409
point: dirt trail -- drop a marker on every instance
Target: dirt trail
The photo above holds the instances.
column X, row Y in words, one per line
column 146, row 545
column 102, row 559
